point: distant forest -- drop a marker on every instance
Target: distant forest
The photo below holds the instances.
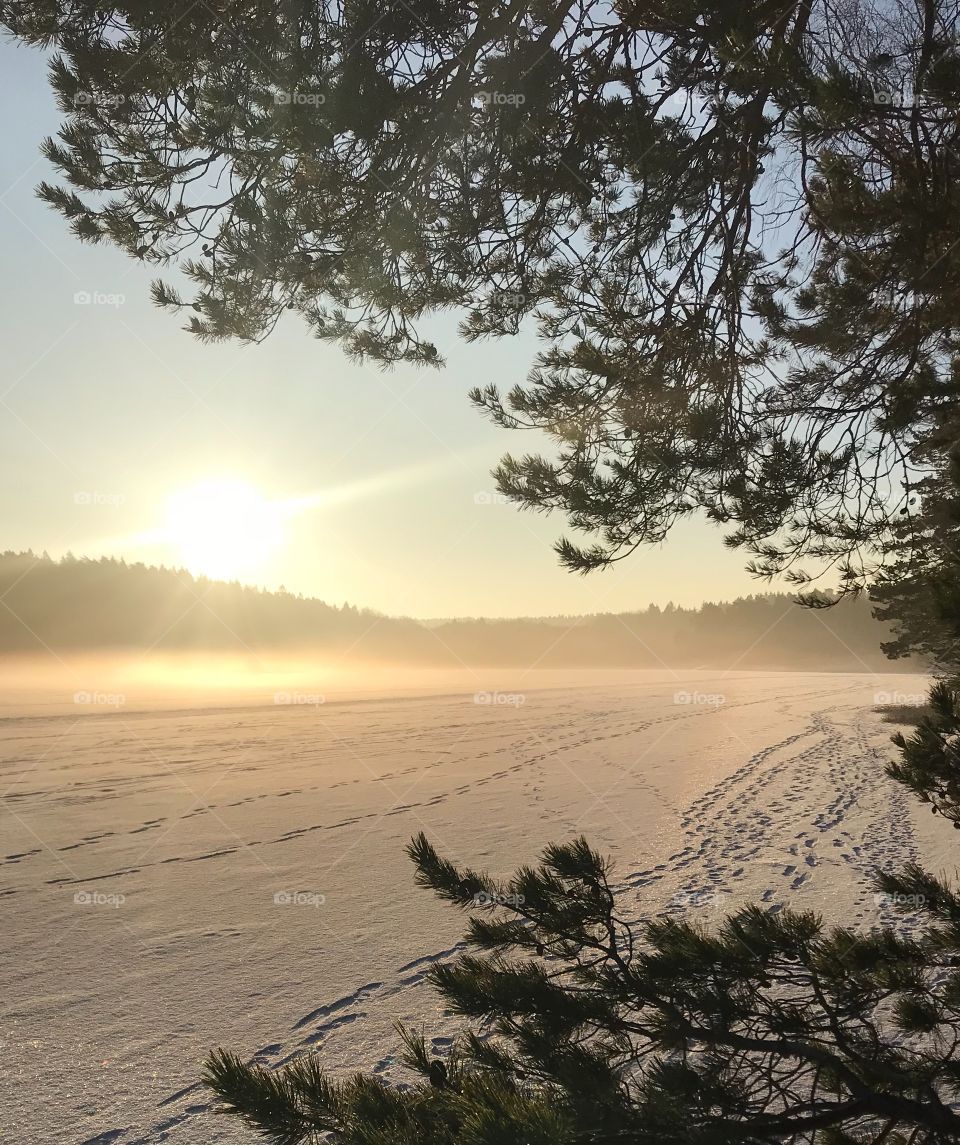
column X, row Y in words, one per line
column 100, row 604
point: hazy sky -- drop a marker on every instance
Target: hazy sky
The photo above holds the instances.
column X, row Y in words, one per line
column 281, row 463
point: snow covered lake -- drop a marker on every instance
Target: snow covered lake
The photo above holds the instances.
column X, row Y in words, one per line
column 182, row 878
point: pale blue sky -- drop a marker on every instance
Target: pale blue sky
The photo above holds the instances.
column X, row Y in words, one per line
column 117, row 402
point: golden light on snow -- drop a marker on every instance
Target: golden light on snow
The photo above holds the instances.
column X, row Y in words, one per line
column 223, row 528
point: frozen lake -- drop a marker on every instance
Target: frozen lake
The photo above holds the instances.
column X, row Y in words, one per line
column 178, row 879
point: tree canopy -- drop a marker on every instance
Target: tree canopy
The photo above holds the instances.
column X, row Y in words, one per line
column 734, row 226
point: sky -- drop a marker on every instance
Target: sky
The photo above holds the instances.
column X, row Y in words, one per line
column 279, row 464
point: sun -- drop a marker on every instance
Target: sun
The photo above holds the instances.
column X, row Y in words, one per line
column 223, row 528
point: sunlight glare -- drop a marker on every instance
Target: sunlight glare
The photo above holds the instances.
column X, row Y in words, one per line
column 223, row 529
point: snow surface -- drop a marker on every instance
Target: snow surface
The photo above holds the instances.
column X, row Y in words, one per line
column 142, row 853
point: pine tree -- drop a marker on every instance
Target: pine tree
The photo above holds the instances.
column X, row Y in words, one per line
column 735, row 227
column 918, row 592
column 589, row 1027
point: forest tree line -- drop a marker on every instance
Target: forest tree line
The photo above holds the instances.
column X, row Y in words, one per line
column 108, row 603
